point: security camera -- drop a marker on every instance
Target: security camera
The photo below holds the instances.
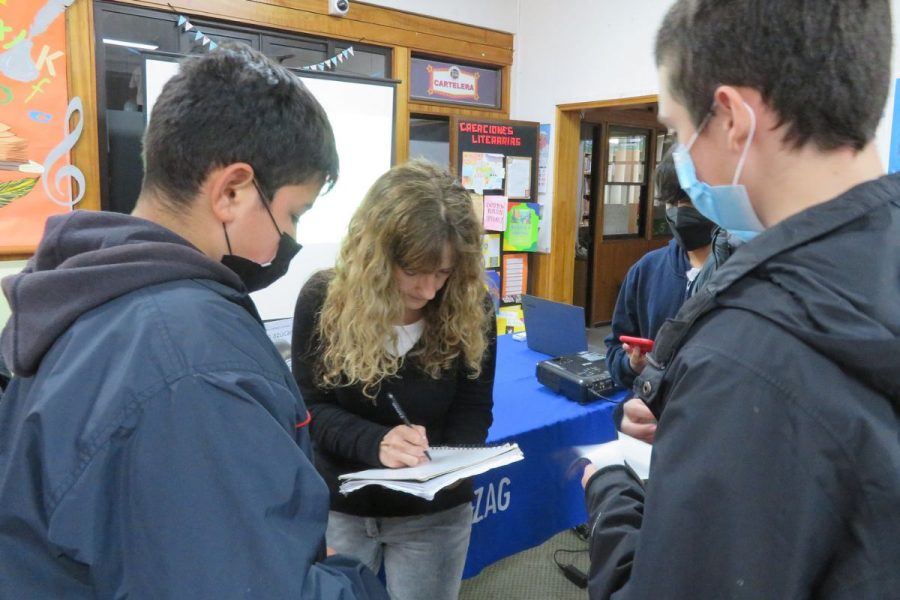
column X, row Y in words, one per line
column 338, row 8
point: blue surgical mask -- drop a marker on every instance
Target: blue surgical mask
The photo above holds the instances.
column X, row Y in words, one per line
column 725, row 205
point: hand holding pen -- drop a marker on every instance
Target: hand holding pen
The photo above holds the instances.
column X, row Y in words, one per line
column 405, row 445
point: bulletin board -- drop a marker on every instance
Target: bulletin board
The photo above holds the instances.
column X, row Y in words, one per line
column 38, row 124
column 497, row 160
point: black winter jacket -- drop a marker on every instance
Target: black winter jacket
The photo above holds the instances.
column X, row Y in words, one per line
column 776, row 464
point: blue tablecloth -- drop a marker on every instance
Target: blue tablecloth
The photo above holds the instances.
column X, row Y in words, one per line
column 524, row 504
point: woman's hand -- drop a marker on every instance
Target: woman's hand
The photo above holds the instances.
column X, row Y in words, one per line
column 403, row 446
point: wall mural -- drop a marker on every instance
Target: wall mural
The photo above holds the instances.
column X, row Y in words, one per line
column 35, row 117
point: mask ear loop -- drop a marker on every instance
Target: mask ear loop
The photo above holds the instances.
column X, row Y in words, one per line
column 265, row 203
column 227, row 241
column 740, row 165
column 702, row 126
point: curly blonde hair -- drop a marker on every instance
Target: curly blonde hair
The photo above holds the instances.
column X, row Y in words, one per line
column 407, row 218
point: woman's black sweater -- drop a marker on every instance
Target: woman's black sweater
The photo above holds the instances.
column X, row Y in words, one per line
column 347, row 427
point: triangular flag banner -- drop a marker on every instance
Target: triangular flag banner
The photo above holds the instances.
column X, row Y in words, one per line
column 199, row 35
column 340, row 57
column 181, row 21
column 206, row 40
column 333, row 61
column 188, row 26
column 350, row 50
column 213, row 45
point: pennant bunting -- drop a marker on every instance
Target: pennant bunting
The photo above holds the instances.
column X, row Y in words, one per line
column 330, row 63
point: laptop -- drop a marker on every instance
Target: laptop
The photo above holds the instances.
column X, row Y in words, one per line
column 554, row 328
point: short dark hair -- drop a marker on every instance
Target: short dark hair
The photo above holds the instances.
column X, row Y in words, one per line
column 232, row 105
column 668, row 188
column 823, row 67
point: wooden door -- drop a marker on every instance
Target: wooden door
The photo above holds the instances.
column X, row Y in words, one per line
column 629, row 222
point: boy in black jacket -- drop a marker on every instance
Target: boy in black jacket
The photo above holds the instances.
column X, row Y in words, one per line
column 776, row 468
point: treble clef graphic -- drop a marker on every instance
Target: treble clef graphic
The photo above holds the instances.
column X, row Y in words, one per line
column 59, row 195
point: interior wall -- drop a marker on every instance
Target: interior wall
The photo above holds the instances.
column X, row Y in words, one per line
column 501, row 15
column 8, row 267
column 588, row 50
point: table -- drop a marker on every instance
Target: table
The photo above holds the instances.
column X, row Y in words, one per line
column 522, row 505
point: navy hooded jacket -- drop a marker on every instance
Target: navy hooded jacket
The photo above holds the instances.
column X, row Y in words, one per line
column 152, row 441
column 776, row 464
column 653, row 291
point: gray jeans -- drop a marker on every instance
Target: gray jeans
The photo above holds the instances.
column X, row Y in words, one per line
column 423, row 555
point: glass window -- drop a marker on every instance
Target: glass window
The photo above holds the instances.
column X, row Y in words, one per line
column 429, row 137
column 294, row 54
column 664, row 141
column 123, row 36
column 189, row 44
column 365, row 62
column 125, row 32
column 626, row 181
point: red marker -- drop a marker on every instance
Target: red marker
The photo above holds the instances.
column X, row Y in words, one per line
column 643, row 343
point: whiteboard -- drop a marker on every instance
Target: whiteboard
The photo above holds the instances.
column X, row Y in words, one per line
column 362, row 117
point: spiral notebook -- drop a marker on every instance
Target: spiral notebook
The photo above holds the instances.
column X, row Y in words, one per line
column 447, row 466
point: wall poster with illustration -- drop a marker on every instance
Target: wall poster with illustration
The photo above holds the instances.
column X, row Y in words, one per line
column 38, row 123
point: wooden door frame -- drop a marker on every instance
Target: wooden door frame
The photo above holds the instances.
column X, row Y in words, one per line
column 554, row 272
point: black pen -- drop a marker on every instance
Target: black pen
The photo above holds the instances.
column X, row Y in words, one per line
column 402, row 415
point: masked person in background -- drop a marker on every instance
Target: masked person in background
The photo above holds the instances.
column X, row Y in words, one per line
column 656, row 287
column 776, row 463
column 403, row 316
column 658, row 284
column 152, row 438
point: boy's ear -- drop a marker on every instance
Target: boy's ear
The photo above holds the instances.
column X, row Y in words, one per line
column 738, row 121
column 229, row 189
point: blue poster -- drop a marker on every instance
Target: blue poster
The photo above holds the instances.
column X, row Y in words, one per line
column 894, row 155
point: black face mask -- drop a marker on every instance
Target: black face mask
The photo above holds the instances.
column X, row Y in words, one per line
column 254, row 275
column 691, row 229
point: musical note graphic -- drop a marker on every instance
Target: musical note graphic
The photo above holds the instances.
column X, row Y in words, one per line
column 59, row 194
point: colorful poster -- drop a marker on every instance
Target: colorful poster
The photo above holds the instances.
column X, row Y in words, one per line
column 510, row 319
column 490, row 249
column 34, row 121
column 478, row 205
column 482, row 171
column 894, row 154
column 495, row 213
column 523, row 223
column 515, row 277
column 543, row 156
column 518, row 177
column 492, row 283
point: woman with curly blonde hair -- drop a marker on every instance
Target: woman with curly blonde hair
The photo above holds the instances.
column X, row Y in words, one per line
column 403, row 314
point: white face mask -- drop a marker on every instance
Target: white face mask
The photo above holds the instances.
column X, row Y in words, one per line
column 728, row 206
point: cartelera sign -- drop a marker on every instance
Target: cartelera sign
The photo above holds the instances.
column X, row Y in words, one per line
column 453, row 82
